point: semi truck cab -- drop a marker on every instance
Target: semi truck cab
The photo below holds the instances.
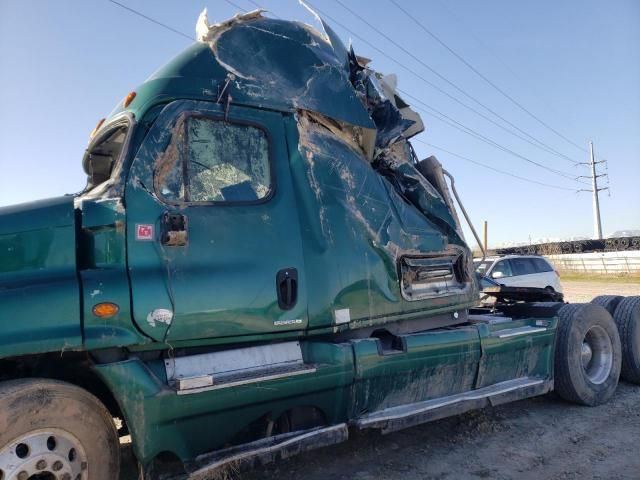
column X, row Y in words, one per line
column 258, row 265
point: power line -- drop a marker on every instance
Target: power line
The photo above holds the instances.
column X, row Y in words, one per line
column 476, row 38
column 235, row 5
column 504, row 172
column 152, row 20
column 452, row 122
column 455, row 124
column 255, row 4
column 469, row 131
column 481, row 75
column 460, row 126
column 442, row 77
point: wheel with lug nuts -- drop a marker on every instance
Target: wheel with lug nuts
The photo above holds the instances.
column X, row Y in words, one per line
column 588, row 354
column 52, row 430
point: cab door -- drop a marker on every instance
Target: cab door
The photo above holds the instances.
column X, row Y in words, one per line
column 214, row 246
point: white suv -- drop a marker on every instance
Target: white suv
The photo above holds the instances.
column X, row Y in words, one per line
column 520, row 271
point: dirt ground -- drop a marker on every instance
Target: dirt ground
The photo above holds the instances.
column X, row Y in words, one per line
column 583, row 291
column 538, row 439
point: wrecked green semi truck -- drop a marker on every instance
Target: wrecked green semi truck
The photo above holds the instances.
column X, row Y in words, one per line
column 258, row 265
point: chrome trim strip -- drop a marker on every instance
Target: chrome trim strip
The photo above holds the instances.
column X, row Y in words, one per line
column 247, row 381
column 515, row 332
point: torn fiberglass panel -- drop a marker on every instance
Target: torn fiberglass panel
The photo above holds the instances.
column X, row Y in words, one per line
column 360, row 227
column 344, row 182
column 396, row 164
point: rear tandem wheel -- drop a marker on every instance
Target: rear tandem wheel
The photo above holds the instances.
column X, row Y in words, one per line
column 627, row 318
column 609, row 302
column 588, row 354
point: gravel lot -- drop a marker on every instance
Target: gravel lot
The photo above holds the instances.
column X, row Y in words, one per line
column 538, row 439
column 584, row 291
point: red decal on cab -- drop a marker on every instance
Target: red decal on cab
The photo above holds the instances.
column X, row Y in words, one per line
column 144, row 231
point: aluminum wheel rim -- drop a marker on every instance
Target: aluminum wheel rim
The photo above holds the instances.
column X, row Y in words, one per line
column 50, row 454
column 597, row 355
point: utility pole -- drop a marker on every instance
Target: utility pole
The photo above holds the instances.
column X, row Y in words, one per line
column 597, row 223
column 484, row 235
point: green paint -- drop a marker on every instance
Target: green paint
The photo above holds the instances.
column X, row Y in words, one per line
column 160, row 420
column 352, row 379
column 39, row 291
column 300, row 192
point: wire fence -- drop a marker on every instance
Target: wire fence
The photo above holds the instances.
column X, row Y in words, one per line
column 608, row 263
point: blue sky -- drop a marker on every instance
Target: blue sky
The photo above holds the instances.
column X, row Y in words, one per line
column 574, row 64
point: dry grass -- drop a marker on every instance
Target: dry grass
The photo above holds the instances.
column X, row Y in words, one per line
column 590, row 277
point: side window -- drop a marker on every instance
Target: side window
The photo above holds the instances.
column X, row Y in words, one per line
column 542, row 265
column 482, row 268
column 523, row 266
column 102, row 156
column 216, row 161
column 501, row 269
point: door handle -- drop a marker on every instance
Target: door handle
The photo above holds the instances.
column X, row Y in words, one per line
column 174, row 229
column 287, row 288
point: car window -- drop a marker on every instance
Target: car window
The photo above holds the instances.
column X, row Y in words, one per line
column 219, row 162
column 482, row 267
column 542, row 265
column 523, row 266
column 502, row 267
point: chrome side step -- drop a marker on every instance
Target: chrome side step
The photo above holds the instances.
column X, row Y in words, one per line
column 266, row 450
column 240, row 366
column 515, row 332
column 404, row 416
column 188, row 385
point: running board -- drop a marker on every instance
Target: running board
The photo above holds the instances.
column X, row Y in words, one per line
column 204, row 383
column 264, row 451
column 404, row 416
column 231, row 368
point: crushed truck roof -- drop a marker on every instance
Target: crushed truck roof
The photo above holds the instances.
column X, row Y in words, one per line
column 286, row 66
column 338, row 101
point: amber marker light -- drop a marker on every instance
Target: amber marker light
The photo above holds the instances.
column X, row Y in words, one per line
column 128, row 99
column 97, row 127
column 106, row 309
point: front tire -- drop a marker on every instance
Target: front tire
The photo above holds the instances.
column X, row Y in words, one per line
column 52, row 429
column 588, row 354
